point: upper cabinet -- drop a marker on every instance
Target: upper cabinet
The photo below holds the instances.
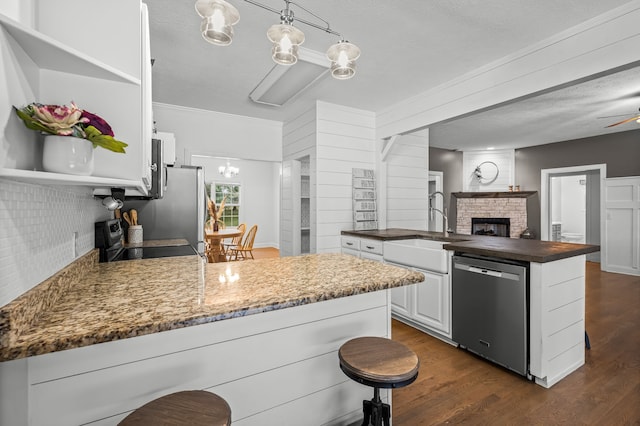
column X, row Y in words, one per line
column 94, row 53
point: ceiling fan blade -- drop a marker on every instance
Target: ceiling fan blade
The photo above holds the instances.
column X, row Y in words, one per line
column 625, row 121
column 614, row 116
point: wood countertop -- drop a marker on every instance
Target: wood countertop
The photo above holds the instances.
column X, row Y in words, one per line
column 88, row 302
column 505, row 248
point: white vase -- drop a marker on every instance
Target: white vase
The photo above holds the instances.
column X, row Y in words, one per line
column 67, row 154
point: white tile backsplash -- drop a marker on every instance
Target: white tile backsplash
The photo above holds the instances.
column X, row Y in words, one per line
column 37, row 232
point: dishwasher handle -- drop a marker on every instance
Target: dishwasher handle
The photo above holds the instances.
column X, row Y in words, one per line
column 486, row 271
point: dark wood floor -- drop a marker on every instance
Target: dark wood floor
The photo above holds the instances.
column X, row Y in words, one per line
column 455, row 387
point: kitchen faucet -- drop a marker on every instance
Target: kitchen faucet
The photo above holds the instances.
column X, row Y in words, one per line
column 443, row 212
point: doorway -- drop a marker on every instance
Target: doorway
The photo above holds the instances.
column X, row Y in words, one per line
column 572, row 205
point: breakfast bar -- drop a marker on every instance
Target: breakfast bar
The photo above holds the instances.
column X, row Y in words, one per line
column 98, row 340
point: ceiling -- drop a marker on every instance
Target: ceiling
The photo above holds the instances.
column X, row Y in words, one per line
column 405, row 50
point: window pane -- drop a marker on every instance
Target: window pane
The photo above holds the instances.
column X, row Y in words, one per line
column 231, row 213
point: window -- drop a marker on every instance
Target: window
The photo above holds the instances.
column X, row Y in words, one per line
column 231, row 214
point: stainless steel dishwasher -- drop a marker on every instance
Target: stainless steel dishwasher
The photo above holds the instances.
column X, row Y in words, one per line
column 490, row 309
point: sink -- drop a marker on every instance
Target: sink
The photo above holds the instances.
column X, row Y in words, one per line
column 419, row 253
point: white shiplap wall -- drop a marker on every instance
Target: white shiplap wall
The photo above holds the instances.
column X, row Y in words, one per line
column 298, row 140
column 504, row 159
column 345, row 139
column 407, row 167
column 37, row 232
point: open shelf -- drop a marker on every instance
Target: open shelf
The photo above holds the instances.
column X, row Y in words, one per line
column 46, row 178
column 47, row 53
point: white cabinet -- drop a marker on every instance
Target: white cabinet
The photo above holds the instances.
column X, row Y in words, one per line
column 365, row 248
column 431, row 302
column 101, row 72
column 426, row 305
column 401, row 298
column 621, row 245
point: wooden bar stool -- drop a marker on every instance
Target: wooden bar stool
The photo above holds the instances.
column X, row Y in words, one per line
column 188, row 408
column 382, row 364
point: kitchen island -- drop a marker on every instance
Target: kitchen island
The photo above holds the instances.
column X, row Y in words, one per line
column 556, row 292
column 100, row 339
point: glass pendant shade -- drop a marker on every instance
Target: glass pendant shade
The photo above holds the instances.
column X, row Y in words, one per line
column 343, row 57
column 218, row 18
column 286, row 39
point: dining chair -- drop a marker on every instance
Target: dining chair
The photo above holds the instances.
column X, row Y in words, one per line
column 235, row 241
column 246, row 247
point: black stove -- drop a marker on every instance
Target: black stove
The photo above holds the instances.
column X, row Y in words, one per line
column 108, row 239
column 131, row 253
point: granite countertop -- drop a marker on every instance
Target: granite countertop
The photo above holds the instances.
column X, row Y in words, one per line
column 505, row 248
column 89, row 302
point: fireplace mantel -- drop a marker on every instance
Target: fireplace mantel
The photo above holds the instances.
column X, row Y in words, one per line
column 514, row 194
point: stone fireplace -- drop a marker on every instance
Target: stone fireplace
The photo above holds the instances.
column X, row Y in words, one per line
column 496, row 213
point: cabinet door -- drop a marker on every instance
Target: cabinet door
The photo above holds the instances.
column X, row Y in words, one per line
column 371, row 256
column 351, row 252
column 431, row 302
column 401, row 298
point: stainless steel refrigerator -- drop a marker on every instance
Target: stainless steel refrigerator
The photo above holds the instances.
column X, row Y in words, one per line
column 180, row 213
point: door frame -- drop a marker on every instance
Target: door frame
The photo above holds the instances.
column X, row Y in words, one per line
column 545, row 193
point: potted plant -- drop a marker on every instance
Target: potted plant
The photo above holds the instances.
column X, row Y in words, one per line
column 71, row 134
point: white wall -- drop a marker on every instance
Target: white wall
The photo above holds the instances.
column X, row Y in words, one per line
column 260, row 193
column 19, row 10
column 345, row 139
column 504, row 160
column 573, row 216
column 408, row 181
column 218, row 134
column 299, row 140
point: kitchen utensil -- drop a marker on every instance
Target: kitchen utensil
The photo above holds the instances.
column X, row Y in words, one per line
column 135, row 235
column 134, row 217
column 126, row 217
column 111, row 203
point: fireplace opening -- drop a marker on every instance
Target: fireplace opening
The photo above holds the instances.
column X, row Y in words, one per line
column 494, row 226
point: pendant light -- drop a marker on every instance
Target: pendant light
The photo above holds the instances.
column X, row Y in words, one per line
column 218, row 18
column 343, row 57
column 285, row 38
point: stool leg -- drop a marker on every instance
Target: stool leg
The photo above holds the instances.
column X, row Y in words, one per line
column 386, row 414
column 377, row 413
column 367, row 409
column 587, row 343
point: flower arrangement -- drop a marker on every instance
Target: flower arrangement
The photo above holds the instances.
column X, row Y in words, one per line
column 214, row 212
column 70, row 120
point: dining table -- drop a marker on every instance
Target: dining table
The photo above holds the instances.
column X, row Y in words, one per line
column 214, row 239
